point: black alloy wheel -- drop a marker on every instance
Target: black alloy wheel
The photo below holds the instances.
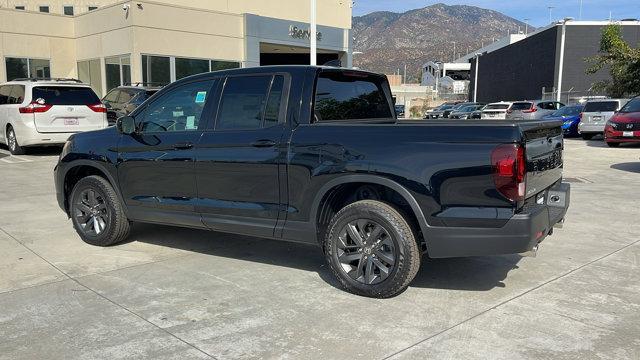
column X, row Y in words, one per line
column 92, row 213
column 366, row 251
column 96, row 212
column 371, row 249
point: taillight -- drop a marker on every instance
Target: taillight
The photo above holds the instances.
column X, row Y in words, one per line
column 34, row 107
column 580, row 116
column 531, row 110
column 508, row 163
column 99, row 108
column 509, row 111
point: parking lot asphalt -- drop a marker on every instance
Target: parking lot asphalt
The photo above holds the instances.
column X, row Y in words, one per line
column 173, row 293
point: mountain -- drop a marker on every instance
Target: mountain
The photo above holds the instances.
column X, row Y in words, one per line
column 390, row 40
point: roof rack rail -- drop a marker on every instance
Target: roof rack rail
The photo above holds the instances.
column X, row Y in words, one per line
column 49, row 79
column 145, row 84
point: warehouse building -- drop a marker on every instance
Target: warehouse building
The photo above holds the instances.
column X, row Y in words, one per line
column 108, row 43
column 531, row 67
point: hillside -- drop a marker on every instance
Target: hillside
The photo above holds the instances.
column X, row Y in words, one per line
column 390, row 40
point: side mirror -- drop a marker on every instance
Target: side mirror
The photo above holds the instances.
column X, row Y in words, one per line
column 126, row 125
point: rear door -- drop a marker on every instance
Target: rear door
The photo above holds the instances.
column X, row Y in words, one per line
column 238, row 161
column 67, row 108
column 5, row 92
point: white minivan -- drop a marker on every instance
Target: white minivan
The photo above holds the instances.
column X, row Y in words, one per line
column 39, row 112
column 595, row 115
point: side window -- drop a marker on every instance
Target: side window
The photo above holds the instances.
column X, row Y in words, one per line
column 346, row 96
column 177, row 110
column 5, row 92
column 125, row 96
column 17, row 94
column 274, row 102
column 243, row 102
column 112, row 96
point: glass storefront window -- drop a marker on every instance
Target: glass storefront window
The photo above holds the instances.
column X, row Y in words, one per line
column 117, row 71
column 156, row 70
column 187, row 67
column 223, row 65
column 162, row 70
column 89, row 73
column 27, row 68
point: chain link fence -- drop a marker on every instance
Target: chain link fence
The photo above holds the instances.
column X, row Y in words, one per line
column 571, row 97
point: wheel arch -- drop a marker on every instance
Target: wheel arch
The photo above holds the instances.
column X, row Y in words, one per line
column 327, row 189
column 79, row 169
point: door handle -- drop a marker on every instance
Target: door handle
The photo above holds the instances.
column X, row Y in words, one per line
column 183, row 146
column 264, row 143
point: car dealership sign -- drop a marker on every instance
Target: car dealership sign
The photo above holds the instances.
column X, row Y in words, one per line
column 297, row 33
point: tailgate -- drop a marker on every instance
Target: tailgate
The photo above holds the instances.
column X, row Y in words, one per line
column 544, row 145
column 69, row 118
column 67, row 108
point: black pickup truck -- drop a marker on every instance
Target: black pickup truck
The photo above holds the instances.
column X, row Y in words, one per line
column 316, row 155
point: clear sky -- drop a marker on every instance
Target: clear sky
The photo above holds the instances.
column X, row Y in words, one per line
column 535, row 10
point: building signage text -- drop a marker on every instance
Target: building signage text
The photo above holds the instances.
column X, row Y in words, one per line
column 297, row 33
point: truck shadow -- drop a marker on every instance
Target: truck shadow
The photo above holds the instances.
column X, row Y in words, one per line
column 633, row 167
column 470, row 274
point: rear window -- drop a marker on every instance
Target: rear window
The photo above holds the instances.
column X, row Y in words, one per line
column 568, row 111
column 601, row 106
column 497, row 107
column 341, row 96
column 521, row 106
column 65, row 95
column 632, row 106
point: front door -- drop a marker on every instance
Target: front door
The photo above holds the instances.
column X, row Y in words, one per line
column 156, row 166
column 238, row 161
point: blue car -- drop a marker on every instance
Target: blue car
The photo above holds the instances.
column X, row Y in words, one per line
column 570, row 117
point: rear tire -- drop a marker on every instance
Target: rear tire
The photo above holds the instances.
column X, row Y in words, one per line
column 12, row 142
column 372, row 249
column 613, row 144
column 96, row 212
column 587, row 136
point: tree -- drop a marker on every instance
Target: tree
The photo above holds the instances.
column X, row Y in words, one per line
column 622, row 60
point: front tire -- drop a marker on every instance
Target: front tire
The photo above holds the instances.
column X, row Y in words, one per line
column 96, row 212
column 372, row 249
column 12, row 142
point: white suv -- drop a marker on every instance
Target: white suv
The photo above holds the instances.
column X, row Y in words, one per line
column 36, row 112
column 595, row 114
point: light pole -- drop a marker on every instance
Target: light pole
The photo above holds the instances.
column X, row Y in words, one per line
column 313, row 36
column 454, row 51
column 580, row 13
column 526, row 26
column 475, row 80
column 561, row 57
column 550, row 9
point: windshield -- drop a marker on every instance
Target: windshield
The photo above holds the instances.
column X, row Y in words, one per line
column 521, row 106
column 600, row 106
column 632, row 106
column 568, row 111
column 66, row 95
column 497, row 107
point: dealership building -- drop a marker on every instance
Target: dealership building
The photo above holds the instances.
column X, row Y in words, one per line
column 108, row 43
column 539, row 64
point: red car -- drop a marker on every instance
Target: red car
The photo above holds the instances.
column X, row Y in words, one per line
column 624, row 126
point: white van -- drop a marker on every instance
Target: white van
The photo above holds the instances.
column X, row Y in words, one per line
column 37, row 112
column 595, row 115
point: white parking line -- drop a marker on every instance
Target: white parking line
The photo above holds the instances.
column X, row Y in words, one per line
column 15, row 159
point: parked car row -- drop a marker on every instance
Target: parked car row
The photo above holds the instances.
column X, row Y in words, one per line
column 618, row 120
column 42, row 112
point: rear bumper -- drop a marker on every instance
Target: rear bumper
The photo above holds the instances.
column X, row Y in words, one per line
column 584, row 128
column 28, row 135
column 520, row 234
